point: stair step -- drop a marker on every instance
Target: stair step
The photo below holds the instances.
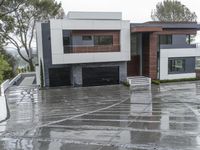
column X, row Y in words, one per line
column 139, row 81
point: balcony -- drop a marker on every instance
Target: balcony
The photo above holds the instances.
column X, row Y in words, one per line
column 91, row 48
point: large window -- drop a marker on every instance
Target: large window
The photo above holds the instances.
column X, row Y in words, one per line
column 165, row 39
column 103, row 40
column 176, row 65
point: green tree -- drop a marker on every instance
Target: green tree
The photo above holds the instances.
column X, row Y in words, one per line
column 4, row 67
column 10, row 73
column 169, row 10
column 8, row 6
column 18, row 27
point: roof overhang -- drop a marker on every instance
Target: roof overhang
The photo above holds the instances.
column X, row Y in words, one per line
column 146, row 29
column 160, row 26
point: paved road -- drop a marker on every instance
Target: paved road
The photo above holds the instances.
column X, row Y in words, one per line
column 103, row 118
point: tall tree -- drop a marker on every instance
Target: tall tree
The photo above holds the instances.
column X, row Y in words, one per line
column 8, row 6
column 18, row 27
column 169, row 10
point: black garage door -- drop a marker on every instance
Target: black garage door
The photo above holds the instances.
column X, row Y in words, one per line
column 100, row 76
column 59, row 77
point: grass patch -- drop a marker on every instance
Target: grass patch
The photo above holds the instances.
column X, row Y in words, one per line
column 158, row 82
column 126, row 84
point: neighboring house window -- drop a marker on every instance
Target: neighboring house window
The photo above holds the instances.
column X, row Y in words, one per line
column 87, row 38
column 165, row 39
column 103, row 40
column 176, row 65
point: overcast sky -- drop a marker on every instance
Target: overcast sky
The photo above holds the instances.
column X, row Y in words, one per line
column 134, row 10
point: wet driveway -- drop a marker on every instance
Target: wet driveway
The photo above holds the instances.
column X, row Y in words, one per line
column 166, row 117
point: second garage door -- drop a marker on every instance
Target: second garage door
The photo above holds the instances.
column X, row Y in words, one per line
column 59, row 77
column 94, row 76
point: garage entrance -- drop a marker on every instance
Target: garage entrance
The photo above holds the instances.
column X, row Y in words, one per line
column 94, row 76
column 59, row 77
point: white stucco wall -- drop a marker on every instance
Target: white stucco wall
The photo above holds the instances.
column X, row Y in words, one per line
column 94, row 15
column 169, row 53
column 3, row 108
column 58, row 56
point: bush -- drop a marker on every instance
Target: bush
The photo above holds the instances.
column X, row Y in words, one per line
column 157, row 82
column 126, row 83
column 4, row 68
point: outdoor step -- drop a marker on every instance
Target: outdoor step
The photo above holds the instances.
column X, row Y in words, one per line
column 139, row 81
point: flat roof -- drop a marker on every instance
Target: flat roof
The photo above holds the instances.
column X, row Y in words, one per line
column 168, row 25
column 77, row 15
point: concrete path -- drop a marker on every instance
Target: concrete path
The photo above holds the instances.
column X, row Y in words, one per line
column 103, row 118
column 27, row 81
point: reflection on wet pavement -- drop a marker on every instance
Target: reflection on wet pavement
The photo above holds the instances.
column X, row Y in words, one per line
column 103, row 118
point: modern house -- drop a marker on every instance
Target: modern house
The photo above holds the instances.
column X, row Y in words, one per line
column 98, row 48
column 84, row 49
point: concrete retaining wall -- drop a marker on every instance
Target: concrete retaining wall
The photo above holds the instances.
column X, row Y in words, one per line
column 3, row 108
column 4, row 87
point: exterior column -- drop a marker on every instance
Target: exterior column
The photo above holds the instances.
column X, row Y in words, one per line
column 153, row 46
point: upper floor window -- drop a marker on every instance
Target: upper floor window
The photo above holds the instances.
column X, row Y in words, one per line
column 87, row 38
column 103, row 40
column 190, row 39
column 165, row 39
column 66, row 41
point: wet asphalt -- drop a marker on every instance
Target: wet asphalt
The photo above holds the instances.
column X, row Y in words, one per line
column 165, row 117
